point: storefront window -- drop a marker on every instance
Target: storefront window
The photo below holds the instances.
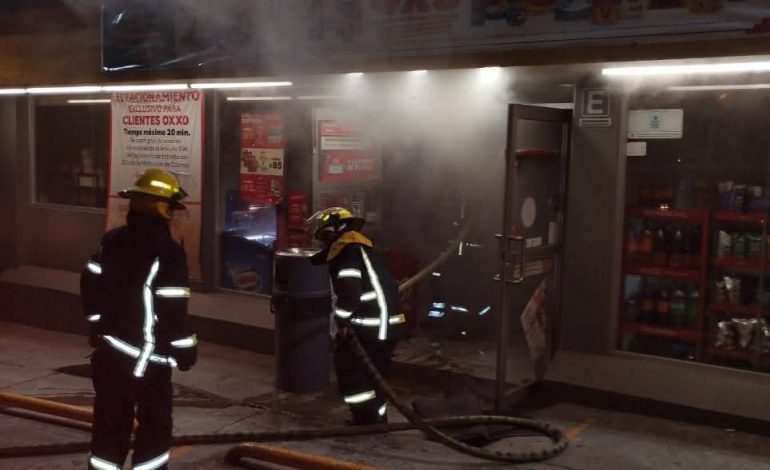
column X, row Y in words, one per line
column 695, row 284
column 265, row 166
column 71, row 150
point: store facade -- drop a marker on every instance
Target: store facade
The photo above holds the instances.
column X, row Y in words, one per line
column 418, row 153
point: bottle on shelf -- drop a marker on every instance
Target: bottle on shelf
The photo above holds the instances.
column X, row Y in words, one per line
column 678, row 308
column 647, row 305
column 678, row 256
column 662, row 307
column 692, row 308
column 633, row 312
column 692, row 246
column 660, row 247
column 632, row 246
column 646, row 244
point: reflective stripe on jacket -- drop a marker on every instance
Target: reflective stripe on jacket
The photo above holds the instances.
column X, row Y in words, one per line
column 135, row 292
column 367, row 295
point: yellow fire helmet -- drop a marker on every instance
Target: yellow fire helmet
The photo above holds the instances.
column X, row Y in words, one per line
column 332, row 221
column 160, row 184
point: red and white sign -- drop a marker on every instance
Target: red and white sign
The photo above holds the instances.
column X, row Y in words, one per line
column 263, row 141
column 160, row 130
column 298, row 208
column 345, row 155
column 534, row 324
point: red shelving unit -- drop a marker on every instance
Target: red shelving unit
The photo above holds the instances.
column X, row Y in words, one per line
column 740, row 217
column 738, row 355
column 738, row 310
column 742, row 263
column 679, row 334
column 664, row 272
column 691, row 275
column 668, row 214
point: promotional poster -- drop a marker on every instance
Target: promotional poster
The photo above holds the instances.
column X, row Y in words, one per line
column 262, row 152
column 160, row 129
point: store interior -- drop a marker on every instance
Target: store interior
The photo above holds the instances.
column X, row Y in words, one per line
column 695, row 287
column 430, row 149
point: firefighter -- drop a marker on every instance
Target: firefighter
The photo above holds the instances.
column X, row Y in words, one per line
column 135, row 292
column 366, row 304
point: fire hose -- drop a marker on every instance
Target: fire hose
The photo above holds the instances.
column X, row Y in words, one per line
column 428, row 426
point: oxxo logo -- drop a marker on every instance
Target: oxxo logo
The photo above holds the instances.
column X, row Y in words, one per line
column 409, row 7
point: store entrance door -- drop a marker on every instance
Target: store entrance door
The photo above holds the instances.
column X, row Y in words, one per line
column 530, row 247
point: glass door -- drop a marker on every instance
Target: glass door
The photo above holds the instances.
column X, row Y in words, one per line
column 530, row 246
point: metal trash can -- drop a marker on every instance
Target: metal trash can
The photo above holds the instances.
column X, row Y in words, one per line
column 301, row 303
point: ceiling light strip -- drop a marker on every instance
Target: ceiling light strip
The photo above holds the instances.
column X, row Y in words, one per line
column 687, row 69
column 320, row 97
column 259, row 98
column 89, row 101
column 232, row 85
column 74, row 89
column 54, row 90
column 149, row 87
column 752, row 86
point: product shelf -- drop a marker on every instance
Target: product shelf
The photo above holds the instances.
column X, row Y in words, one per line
column 691, row 215
column 682, row 274
column 742, row 217
column 737, row 354
column 731, row 262
column 738, row 310
column 679, row 334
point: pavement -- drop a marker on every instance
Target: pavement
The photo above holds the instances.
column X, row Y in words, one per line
column 232, row 390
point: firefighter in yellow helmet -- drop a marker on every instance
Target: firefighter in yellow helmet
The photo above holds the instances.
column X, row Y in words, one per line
column 367, row 303
column 135, row 292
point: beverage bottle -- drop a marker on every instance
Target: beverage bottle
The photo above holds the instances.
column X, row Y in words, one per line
column 662, row 308
column 632, row 247
column 678, row 254
column 633, row 311
column 692, row 246
column 678, row 308
column 692, row 309
column 644, row 253
column 660, row 248
column 647, row 306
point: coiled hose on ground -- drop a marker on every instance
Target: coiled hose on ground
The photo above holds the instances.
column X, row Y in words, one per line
column 427, row 426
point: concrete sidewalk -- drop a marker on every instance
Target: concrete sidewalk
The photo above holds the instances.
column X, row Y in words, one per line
column 209, row 399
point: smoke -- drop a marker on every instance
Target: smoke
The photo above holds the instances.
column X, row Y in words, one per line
column 442, row 134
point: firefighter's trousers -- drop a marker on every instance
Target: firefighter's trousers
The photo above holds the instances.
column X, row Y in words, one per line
column 367, row 404
column 121, row 397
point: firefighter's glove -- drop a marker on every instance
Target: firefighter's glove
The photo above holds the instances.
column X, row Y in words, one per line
column 186, row 358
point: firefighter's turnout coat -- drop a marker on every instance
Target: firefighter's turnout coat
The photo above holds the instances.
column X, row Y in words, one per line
column 135, row 292
column 366, row 294
column 367, row 302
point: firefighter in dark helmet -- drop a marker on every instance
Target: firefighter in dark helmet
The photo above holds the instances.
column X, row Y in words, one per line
column 135, row 292
column 367, row 304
